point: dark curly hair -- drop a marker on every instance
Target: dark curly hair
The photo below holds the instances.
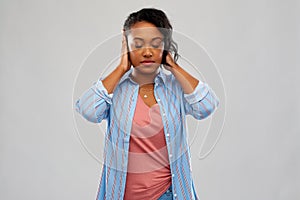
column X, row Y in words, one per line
column 160, row 20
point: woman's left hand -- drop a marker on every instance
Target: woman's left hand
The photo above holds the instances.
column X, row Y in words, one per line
column 170, row 64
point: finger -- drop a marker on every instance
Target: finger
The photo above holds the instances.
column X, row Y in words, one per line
column 124, row 44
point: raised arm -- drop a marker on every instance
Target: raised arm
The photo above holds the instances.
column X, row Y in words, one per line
column 111, row 81
column 94, row 104
column 199, row 99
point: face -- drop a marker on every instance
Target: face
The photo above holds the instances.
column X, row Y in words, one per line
column 146, row 47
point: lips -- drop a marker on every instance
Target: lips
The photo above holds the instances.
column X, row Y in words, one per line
column 148, row 61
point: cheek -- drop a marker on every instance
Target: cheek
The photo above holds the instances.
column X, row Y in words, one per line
column 160, row 54
column 133, row 55
column 134, row 58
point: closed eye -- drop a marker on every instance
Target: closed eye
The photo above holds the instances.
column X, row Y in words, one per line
column 156, row 43
column 138, row 46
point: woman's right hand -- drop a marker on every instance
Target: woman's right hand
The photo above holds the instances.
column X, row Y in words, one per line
column 124, row 63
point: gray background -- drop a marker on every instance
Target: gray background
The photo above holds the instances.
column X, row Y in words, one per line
column 254, row 43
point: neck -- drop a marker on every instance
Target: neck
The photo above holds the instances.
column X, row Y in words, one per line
column 143, row 79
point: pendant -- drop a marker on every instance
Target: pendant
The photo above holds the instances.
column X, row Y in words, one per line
column 145, row 96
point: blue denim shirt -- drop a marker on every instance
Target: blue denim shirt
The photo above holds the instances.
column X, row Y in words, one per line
column 118, row 109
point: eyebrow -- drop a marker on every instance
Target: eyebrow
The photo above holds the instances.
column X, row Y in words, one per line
column 151, row 40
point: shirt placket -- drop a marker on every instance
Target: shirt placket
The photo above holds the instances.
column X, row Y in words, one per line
column 167, row 132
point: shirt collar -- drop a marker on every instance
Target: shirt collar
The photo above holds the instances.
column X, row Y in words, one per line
column 160, row 77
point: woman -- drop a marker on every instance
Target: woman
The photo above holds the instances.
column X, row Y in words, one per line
column 146, row 155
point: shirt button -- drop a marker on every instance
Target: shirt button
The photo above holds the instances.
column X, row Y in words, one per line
column 173, row 175
column 170, row 155
column 158, row 99
column 168, row 134
column 175, row 195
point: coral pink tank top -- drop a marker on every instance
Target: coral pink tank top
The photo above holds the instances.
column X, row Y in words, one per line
column 148, row 172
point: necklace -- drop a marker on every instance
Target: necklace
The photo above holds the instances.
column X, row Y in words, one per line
column 146, row 90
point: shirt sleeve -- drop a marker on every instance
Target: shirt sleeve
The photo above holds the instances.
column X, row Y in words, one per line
column 201, row 102
column 94, row 103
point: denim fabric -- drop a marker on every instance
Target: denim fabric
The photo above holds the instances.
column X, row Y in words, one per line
column 168, row 195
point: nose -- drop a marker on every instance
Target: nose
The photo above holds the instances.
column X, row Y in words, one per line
column 147, row 52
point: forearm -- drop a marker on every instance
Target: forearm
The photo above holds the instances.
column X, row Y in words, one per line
column 110, row 82
column 187, row 81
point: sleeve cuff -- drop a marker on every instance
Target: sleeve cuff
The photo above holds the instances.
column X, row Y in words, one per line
column 198, row 94
column 101, row 90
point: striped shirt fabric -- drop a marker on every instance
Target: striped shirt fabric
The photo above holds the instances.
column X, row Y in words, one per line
column 95, row 105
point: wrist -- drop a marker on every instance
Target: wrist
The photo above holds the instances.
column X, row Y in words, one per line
column 122, row 69
column 174, row 67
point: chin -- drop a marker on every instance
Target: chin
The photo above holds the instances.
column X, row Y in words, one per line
column 147, row 69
